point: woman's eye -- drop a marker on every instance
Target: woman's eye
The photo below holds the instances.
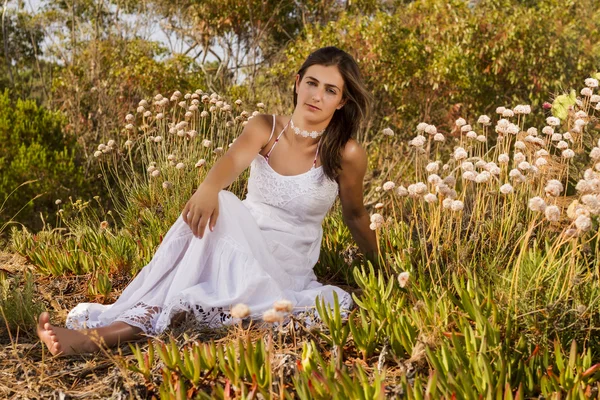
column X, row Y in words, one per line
column 312, row 83
column 332, row 91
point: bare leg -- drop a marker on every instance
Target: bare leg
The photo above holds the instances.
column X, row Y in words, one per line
column 63, row 341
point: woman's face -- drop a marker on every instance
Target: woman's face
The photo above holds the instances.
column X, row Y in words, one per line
column 320, row 92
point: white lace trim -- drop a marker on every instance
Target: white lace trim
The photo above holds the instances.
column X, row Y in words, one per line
column 283, row 189
column 147, row 317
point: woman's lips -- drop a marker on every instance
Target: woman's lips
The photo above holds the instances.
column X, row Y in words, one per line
column 313, row 107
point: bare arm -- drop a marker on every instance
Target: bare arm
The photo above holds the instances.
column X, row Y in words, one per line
column 354, row 167
column 203, row 206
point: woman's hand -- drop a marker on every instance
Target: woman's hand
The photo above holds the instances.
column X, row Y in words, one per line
column 201, row 209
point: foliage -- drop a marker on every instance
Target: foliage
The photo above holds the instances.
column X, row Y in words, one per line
column 434, row 60
column 35, row 149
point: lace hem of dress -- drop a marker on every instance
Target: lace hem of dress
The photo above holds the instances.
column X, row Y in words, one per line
column 153, row 320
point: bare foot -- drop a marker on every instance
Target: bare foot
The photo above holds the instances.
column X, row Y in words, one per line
column 63, row 341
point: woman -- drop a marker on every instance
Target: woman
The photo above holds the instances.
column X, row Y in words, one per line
column 259, row 250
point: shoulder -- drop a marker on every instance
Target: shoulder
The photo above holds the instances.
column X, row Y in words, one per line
column 354, row 157
column 260, row 121
column 259, row 128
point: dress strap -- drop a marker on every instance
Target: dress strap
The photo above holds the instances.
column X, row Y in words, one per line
column 276, row 140
column 272, row 131
column 317, row 154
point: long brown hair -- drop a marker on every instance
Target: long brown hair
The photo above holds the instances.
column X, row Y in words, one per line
column 346, row 121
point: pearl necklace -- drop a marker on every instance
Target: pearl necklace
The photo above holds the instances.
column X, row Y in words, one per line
column 303, row 133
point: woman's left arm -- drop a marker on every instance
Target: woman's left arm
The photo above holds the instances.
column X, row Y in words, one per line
column 350, row 180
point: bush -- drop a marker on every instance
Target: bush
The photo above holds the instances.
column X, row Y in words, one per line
column 35, row 148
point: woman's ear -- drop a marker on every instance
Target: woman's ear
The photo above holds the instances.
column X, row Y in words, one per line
column 297, row 83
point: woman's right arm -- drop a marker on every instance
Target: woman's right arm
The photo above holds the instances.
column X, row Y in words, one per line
column 203, row 206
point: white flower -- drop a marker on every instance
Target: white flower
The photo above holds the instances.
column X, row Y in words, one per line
column 167, row 185
column 143, row 103
column 283, row 306
column 595, row 153
column 147, row 114
column 240, row 311
column 541, row 153
column 500, row 110
column 532, row 131
column 377, row 218
column 552, row 213
column 431, row 129
column 129, row 127
column 160, row 116
column 417, row 189
column 155, row 173
column 520, row 145
column 218, row 150
column 432, row 167
column 483, row 177
column 260, row 105
column 471, row 135
column 434, row 179
column 553, row 121
column 457, row 205
column 469, row 175
column 508, row 113
column 401, row 191
column 430, row 198
column 512, row 129
column 567, row 136
column 481, row 139
column 506, row 188
column 379, row 205
column 200, row 163
column 467, row 166
column 556, row 137
column 591, row 83
column 519, row 157
column 484, row 120
column 460, row 154
column 271, row 316
column 583, row 223
column 238, row 102
column 158, row 139
column 388, row 132
column 97, row 153
column 540, row 162
column 553, row 188
column 503, row 158
column 537, row 204
column 418, row 141
column 460, row 122
column 568, row 153
column 562, row 145
column 515, row 174
column 403, row 278
column 206, row 143
column 480, row 164
column 447, row 203
column 586, row 91
column 421, row 127
column 579, row 123
column 204, row 114
column 466, row 128
column 130, row 117
column 180, row 165
column 438, row 137
column 171, row 157
column 592, row 202
column 389, row 185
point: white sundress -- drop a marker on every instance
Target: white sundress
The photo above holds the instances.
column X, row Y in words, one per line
column 262, row 249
